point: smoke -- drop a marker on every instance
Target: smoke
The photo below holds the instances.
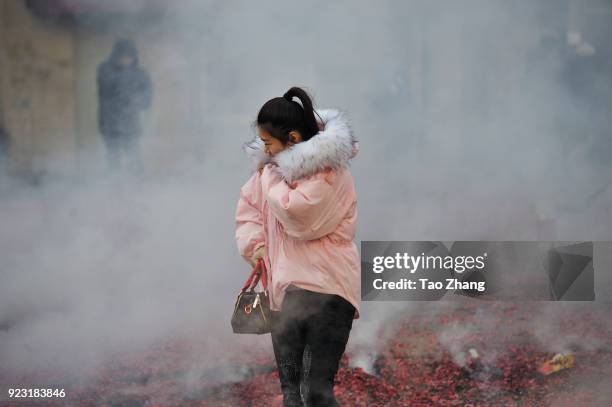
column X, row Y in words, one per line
column 468, row 130
column 111, row 262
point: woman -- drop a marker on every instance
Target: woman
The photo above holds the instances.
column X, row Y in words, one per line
column 298, row 213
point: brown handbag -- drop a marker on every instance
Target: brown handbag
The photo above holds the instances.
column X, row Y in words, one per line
column 252, row 309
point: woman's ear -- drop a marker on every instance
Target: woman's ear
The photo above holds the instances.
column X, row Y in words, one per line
column 294, row 137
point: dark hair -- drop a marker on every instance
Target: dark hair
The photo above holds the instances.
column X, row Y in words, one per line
column 280, row 115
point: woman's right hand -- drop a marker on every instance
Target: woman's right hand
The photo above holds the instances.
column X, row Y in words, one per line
column 258, row 254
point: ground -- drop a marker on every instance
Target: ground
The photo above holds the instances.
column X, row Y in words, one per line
column 478, row 354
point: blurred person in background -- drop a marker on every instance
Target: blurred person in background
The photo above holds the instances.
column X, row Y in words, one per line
column 124, row 90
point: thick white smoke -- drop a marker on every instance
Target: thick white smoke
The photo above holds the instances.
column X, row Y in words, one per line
column 462, row 134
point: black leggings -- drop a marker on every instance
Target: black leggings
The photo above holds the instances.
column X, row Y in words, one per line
column 320, row 323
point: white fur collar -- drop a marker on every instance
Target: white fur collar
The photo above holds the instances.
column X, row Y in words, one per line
column 331, row 147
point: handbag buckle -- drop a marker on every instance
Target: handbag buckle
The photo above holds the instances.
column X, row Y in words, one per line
column 248, row 308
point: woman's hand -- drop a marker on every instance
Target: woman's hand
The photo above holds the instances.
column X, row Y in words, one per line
column 271, row 164
column 258, row 254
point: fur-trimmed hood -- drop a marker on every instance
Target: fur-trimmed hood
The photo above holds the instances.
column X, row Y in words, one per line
column 333, row 147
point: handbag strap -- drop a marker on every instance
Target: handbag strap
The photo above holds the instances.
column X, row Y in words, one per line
column 250, row 279
column 258, row 270
column 262, row 275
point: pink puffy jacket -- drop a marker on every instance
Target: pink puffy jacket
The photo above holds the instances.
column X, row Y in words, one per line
column 303, row 208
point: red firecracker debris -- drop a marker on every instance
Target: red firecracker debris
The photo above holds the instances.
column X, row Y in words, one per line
column 453, row 359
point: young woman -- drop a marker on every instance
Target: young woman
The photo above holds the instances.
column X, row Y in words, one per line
column 298, row 213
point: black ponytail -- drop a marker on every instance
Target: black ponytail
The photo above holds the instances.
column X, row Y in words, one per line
column 280, row 115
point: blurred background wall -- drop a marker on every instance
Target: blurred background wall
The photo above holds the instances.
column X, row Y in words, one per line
column 37, row 88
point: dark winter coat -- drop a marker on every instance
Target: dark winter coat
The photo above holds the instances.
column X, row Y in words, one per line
column 122, row 93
